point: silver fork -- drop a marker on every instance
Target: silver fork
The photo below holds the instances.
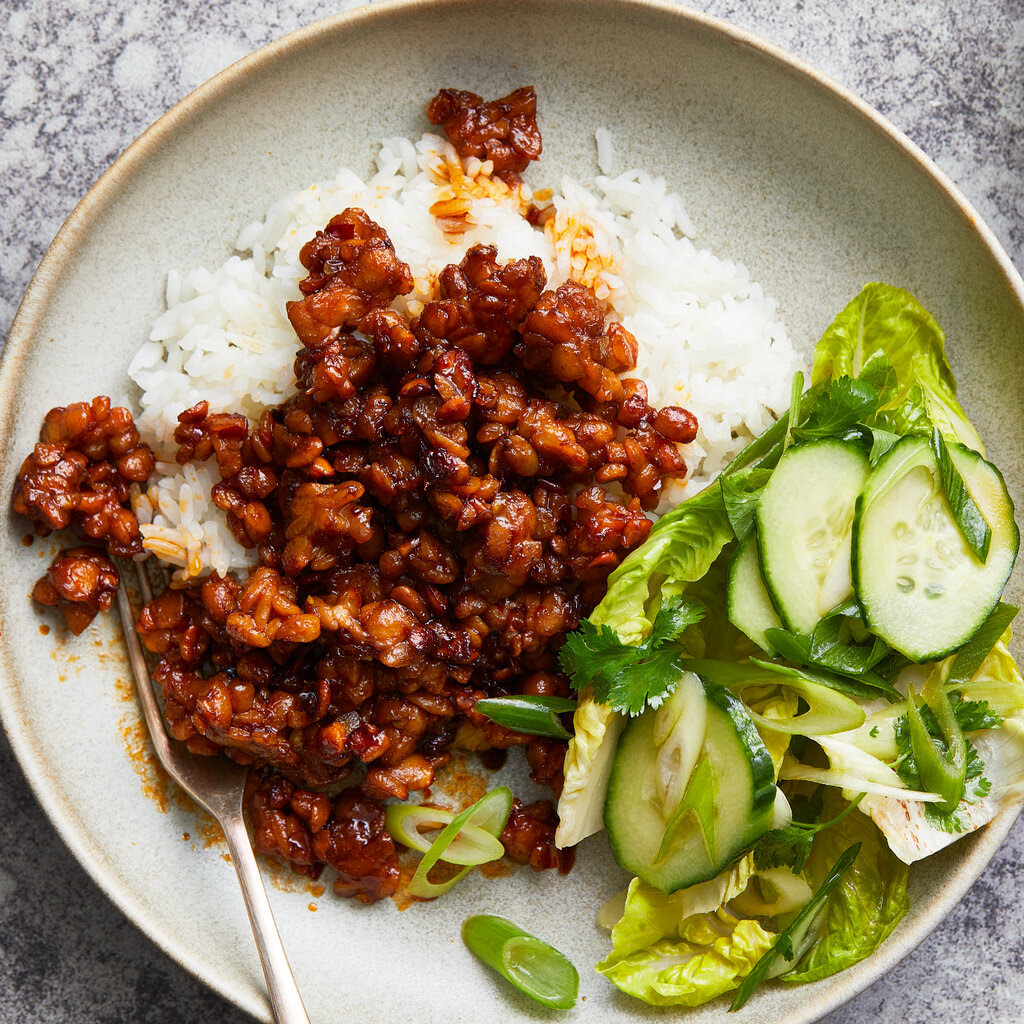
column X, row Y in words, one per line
column 217, row 784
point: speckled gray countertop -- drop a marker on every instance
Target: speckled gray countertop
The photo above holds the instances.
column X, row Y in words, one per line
column 80, row 80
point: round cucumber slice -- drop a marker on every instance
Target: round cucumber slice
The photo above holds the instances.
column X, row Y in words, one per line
column 921, row 588
column 750, row 607
column 736, row 782
column 804, row 529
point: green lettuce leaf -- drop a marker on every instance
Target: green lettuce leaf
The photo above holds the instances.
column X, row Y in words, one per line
column 707, row 955
column 890, row 320
column 690, row 946
column 643, row 914
column 865, row 906
column 680, row 549
column 996, row 680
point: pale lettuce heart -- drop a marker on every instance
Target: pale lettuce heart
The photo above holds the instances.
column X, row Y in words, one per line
column 714, row 952
column 587, row 767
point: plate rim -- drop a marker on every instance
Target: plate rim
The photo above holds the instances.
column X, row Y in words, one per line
column 103, row 193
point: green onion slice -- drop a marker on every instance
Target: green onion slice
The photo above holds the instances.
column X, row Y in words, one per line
column 533, row 966
column 699, row 798
column 473, row 845
column 489, row 814
column 791, row 935
column 535, row 716
column 828, row 710
column 793, row 416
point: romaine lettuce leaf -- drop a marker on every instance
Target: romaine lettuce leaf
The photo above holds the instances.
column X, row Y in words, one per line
column 648, row 914
column 864, row 907
column 690, row 946
column 680, row 549
column 890, row 320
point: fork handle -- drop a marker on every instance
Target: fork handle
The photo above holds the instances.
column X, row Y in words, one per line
column 284, row 993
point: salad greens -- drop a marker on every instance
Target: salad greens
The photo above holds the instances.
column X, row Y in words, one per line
column 790, row 939
column 685, row 948
column 880, row 755
column 864, row 908
column 890, row 321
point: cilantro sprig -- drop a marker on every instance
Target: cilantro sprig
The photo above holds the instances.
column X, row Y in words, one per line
column 627, row 677
column 789, row 847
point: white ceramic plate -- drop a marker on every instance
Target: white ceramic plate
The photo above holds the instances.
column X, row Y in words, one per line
column 779, row 168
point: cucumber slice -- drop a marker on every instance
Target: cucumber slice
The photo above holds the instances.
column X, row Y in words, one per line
column 920, row 587
column 804, row 529
column 750, row 607
column 742, row 798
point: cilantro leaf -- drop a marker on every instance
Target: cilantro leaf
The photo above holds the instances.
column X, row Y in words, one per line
column 625, row 677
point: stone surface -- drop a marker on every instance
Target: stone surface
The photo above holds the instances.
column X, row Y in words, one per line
column 81, row 80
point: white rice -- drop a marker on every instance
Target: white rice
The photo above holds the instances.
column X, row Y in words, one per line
column 709, row 338
column 181, row 525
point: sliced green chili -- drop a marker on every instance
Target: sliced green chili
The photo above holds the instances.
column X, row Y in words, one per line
column 942, row 773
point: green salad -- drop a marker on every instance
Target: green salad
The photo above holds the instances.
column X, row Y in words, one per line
column 801, row 683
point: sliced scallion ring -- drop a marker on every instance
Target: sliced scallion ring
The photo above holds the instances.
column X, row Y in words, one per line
column 489, row 813
column 829, row 711
column 533, row 715
column 473, row 845
column 534, row 967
